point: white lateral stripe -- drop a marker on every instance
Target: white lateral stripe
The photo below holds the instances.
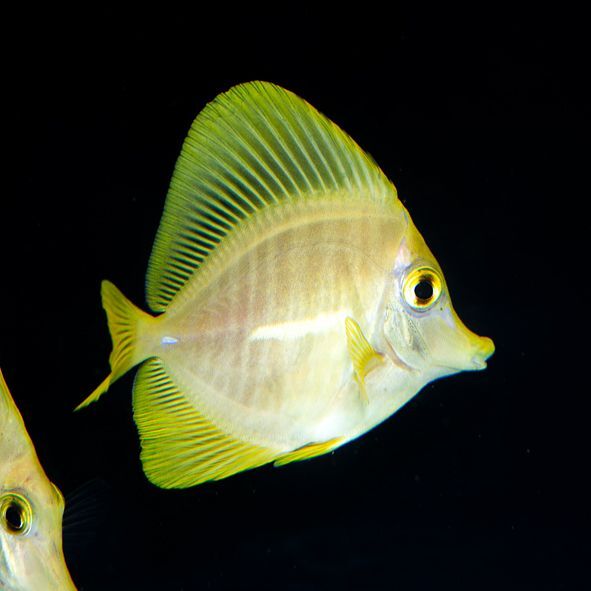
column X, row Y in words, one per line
column 298, row 328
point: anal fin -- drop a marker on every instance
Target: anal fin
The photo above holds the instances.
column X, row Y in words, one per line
column 180, row 446
column 363, row 356
column 308, row 451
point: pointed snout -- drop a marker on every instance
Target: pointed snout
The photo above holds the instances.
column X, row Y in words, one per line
column 483, row 350
column 466, row 351
column 477, row 349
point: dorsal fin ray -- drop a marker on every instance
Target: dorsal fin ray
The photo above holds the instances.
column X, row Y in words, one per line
column 252, row 147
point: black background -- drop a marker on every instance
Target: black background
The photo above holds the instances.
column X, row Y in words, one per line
column 476, row 483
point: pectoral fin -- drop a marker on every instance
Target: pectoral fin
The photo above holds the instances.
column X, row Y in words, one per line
column 363, row 356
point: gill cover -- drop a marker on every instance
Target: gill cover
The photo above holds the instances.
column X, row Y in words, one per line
column 421, row 324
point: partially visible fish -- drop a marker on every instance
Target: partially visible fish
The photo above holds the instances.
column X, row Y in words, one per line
column 300, row 305
column 31, row 509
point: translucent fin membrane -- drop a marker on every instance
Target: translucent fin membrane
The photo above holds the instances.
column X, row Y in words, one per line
column 308, row 452
column 124, row 319
column 363, row 357
column 254, row 146
column 180, row 446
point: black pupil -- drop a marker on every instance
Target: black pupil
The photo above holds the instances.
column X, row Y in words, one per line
column 14, row 518
column 424, row 290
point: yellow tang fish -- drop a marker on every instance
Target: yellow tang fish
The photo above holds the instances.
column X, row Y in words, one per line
column 300, row 306
column 31, row 509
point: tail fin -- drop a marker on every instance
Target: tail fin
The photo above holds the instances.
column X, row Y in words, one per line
column 125, row 322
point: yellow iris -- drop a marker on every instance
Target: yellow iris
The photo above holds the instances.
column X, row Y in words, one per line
column 16, row 514
column 422, row 288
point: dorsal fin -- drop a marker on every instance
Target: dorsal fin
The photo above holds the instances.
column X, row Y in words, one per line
column 251, row 147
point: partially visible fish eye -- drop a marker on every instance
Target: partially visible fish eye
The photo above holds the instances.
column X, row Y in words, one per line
column 58, row 493
column 422, row 288
column 16, row 514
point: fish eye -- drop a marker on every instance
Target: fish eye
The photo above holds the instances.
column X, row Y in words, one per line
column 58, row 492
column 422, row 288
column 16, row 514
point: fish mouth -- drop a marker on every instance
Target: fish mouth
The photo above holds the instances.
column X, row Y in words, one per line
column 484, row 351
column 474, row 350
column 477, row 359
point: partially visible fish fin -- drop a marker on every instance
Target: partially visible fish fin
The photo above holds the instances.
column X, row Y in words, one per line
column 124, row 321
column 86, row 513
column 5, row 396
column 180, row 446
column 363, row 356
column 9, row 412
column 253, row 147
column 308, row 451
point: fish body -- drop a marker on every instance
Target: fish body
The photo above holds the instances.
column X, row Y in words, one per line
column 282, row 268
column 31, row 509
column 262, row 326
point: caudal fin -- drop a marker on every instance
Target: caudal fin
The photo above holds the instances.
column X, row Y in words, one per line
column 125, row 322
